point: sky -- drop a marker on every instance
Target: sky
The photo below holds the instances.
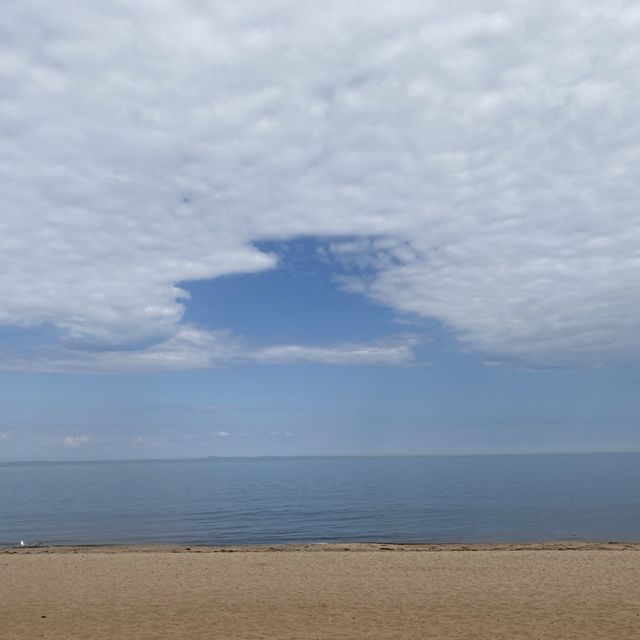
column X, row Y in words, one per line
column 285, row 228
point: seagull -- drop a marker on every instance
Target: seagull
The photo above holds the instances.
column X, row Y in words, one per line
column 22, row 544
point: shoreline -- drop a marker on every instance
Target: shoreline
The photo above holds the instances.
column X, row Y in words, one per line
column 319, row 547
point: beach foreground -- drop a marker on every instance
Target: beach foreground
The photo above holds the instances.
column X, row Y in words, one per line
column 550, row 591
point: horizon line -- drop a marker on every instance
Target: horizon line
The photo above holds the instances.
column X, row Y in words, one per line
column 7, row 463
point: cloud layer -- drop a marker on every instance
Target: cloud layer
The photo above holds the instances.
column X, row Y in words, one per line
column 193, row 348
column 483, row 161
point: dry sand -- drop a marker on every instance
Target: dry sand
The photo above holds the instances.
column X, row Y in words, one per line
column 553, row 591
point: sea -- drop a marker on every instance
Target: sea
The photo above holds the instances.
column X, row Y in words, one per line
column 246, row 501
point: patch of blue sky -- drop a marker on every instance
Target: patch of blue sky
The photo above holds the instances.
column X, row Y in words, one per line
column 299, row 301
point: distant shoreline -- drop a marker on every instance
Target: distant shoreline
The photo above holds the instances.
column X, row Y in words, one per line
column 382, row 456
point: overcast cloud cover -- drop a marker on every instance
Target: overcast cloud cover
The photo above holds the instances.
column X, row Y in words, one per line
column 476, row 163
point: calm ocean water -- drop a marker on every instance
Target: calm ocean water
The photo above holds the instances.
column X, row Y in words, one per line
column 277, row 500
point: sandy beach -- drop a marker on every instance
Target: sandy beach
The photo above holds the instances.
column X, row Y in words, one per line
column 547, row 591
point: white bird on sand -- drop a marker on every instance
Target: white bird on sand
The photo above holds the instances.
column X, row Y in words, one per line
column 22, row 544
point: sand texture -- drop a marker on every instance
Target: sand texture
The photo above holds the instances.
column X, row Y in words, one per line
column 544, row 592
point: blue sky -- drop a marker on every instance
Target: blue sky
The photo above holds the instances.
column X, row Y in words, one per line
column 445, row 401
column 268, row 229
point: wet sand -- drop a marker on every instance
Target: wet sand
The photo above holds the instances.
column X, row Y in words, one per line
column 551, row 591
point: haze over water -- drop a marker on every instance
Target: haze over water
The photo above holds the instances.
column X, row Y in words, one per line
column 280, row 500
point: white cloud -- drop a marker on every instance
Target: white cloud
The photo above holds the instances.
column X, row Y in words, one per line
column 483, row 157
column 222, row 434
column 399, row 352
column 76, row 441
column 197, row 348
